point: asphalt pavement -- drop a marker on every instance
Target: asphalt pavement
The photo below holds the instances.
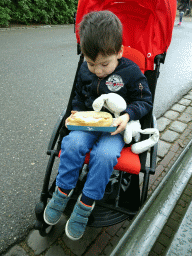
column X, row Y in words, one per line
column 37, row 68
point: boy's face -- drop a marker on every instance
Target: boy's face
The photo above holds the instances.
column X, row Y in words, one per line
column 104, row 65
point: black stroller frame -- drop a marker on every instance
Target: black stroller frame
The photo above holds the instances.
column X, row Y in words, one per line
column 107, row 212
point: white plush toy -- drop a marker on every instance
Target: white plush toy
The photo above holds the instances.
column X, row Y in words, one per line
column 116, row 104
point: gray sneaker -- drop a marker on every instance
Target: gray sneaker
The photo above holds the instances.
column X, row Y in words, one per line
column 75, row 226
column 55, row 207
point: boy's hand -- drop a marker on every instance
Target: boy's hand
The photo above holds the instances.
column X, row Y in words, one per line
column 121, row 122
column 72, row 113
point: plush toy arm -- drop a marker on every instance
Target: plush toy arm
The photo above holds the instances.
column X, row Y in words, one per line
column 142, row 146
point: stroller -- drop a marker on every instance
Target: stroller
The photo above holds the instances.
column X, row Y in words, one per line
column 147, row 33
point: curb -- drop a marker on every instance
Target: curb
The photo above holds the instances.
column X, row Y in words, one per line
column 16, row 27
column 44, row 26
column 167, row 234
column 175, row 128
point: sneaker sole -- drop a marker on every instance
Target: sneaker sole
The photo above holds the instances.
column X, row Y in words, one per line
column 49, row 223
column 68, row 235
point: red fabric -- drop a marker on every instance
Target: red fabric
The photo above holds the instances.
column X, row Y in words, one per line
column 127, row 162
column 147, row 24
column 135, row 56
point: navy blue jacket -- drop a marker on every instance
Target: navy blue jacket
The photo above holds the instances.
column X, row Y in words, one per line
column 127, row 80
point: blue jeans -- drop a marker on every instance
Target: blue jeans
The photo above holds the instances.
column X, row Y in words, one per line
column 103, row 157
column 181, row 16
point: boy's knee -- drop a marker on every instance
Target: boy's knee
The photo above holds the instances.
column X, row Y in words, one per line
column 75, row 142
column 72, row 138
column 105, row 157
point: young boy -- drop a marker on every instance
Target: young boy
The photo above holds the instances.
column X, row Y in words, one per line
column 104, row 71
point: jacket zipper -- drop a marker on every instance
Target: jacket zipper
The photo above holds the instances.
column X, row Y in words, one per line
column 98, row 85
column 141, row 88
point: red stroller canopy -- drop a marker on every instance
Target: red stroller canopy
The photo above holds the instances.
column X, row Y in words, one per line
column 147, row 24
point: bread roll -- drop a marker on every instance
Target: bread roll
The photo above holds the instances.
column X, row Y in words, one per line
column 90, row 118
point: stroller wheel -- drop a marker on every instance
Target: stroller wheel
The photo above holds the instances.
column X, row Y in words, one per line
column 45, row 230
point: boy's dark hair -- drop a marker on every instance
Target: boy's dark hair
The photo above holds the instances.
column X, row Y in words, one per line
column 100, row 32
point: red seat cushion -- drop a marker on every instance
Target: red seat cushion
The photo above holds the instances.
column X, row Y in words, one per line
column 127, row 162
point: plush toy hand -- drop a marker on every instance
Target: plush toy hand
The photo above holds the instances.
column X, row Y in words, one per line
column 111, row 101
column 132, row 130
